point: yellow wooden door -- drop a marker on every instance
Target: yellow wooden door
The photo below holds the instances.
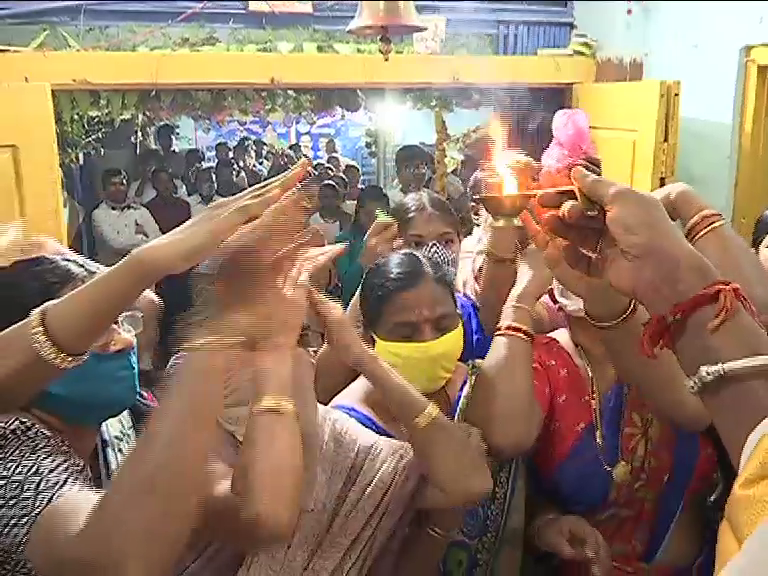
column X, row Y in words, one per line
column 635, row 128
column 30, row 177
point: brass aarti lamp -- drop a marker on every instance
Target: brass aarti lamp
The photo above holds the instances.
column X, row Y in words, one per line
column 505, row 197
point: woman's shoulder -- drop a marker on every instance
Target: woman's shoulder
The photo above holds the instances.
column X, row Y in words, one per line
column 26, row 446
column 37, row 468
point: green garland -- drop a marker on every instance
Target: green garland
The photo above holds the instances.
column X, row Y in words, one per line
column 199, row 38
column 84, row 119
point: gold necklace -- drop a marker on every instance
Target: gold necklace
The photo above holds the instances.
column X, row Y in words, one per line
column 622, row 470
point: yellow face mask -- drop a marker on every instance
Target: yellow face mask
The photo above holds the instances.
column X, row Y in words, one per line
column 427, row 366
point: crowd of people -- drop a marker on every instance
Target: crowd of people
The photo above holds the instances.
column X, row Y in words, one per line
column 383, row 381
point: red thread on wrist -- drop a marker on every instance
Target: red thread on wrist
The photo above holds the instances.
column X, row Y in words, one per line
column 664, row 330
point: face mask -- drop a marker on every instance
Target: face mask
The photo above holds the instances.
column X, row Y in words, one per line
column 427, row 366
column 102, row 387
column 568, row 301
column 436, row 251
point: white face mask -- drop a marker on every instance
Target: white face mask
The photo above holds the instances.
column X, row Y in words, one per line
column 571, row 304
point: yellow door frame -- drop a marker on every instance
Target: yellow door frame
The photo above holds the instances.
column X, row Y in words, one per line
column 751, row 182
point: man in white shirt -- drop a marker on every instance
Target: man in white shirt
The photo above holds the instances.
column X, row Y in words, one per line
column 412, row 166
column 205, row 184
column 119, row 225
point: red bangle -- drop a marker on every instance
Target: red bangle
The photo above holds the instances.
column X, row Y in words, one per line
column 663, row 331
column 514, row 329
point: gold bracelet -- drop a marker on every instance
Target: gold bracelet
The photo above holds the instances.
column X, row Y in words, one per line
column 424, row 419
column 714, row 226
column 216, row 343
column 45, row 347
column 691, row 224
column 274, row 405
column 439, row 534
column 605, row 325
column 494, row 256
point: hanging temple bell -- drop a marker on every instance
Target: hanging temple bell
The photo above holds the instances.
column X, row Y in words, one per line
column 384, row 18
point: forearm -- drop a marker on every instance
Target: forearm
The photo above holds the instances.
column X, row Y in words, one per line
column 269, row 474
column 728, row 253
column 453, row 463
column 497, row 274
column 306, row 406
column 154, row 502
column 74, row 323
column 736, row 405
column 660, row 380
column 332, row 371
column 502, row 403
column 332, row 374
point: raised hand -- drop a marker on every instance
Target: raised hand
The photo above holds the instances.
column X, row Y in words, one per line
column 533, row 276
column 340, row 331
column 574, row 539
column 200, row 238
column 381, row 239
column 632, row 243
column 271, row 316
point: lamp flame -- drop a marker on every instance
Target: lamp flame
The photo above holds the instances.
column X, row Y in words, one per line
column 503, row 159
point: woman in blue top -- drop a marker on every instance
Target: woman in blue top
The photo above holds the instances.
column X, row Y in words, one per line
column 432, row 335
column 348, row 267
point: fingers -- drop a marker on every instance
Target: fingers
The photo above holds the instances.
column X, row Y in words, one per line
column 317, row 258
column 586, row 238
column 670, row 195
column 285, row 181
column 560, row 546
column 323, row 306
column 309, row 262
column 385, row 229
column 596, row 551
column 575, row 258
column 307, row 239
column 594, row 187
column 251, row 203
column 538, row 236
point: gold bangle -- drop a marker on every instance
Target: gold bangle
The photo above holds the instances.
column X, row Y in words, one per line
column 691, row 224
column 424, row 419
column 439, row 534
column 494, row 256
column 45, row 347
column 275, row 405
column 216, row 343
column 714, row 226
column 605, row 325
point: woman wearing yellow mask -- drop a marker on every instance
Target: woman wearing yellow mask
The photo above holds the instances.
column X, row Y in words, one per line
column 426, row 332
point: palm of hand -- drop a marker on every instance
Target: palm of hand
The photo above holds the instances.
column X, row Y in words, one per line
column 340, row 331
column 379, row 241
column 231, row 224
column 533, row 273
column 275, row 318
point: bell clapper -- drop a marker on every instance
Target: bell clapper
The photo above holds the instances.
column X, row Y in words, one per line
column 385, row 45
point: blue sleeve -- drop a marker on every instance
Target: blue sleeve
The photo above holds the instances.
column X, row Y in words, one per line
column 476, row 342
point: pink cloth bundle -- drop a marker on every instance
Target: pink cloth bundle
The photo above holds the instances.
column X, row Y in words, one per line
column 571, row 140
